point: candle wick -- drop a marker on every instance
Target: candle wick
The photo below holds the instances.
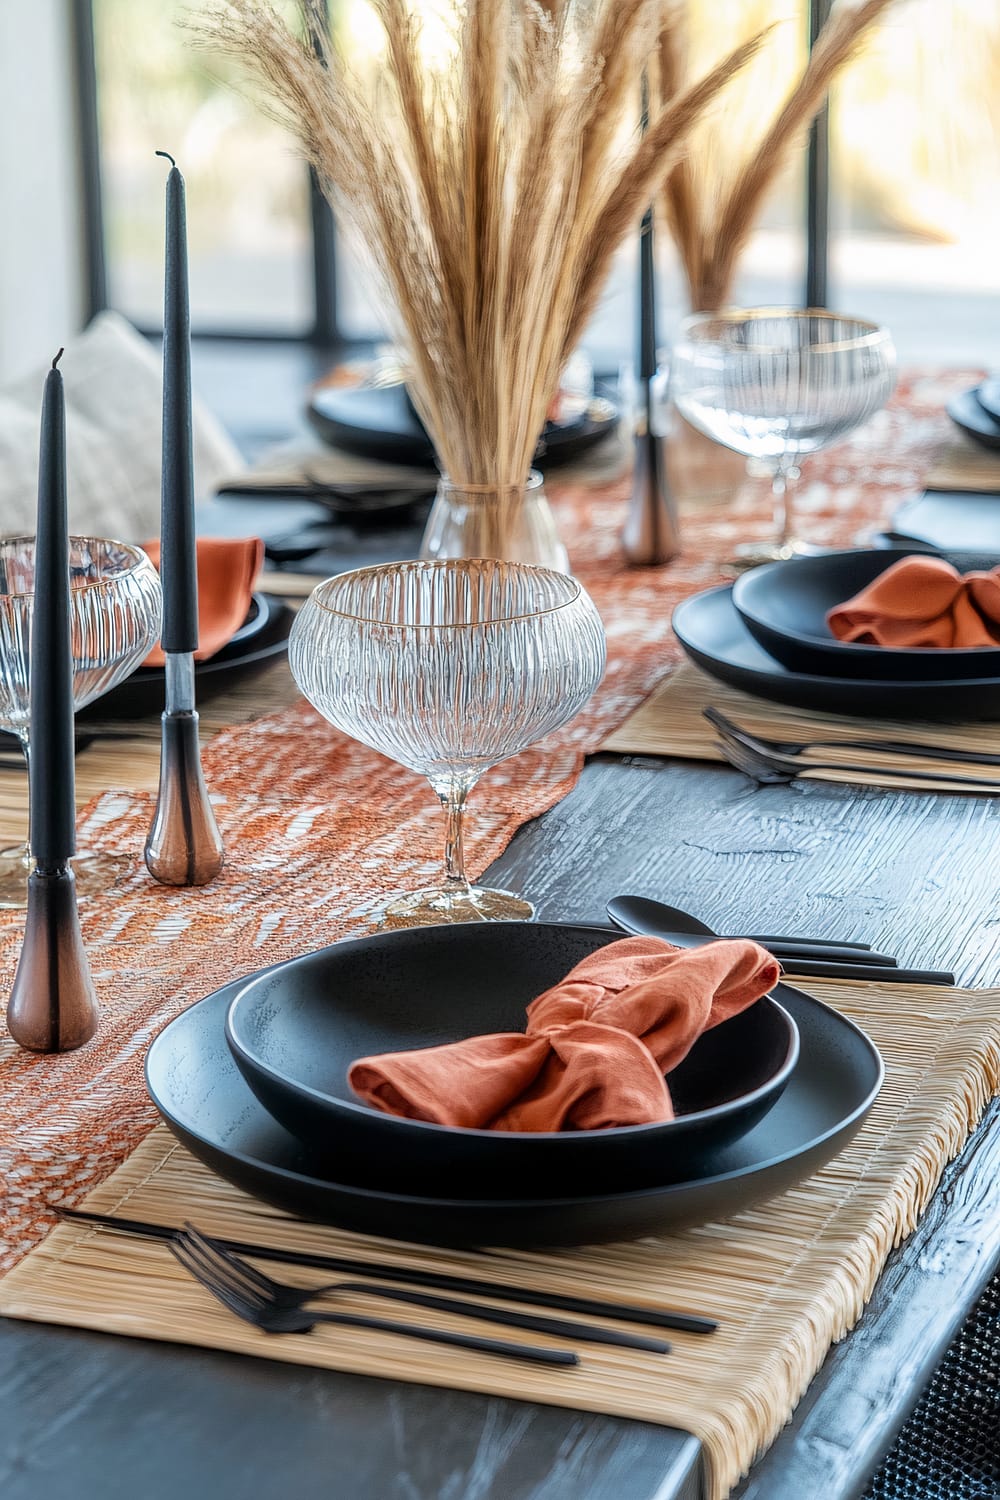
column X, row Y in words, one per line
column 58, row 358
column 167, row 155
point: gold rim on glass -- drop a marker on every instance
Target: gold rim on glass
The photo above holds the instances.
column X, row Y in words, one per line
column 137, row 555
column 875, row 333
column 455, row 565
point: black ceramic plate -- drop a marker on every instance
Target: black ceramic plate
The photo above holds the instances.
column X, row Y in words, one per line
column 142, row 693
column 294, row 1032
column 713, row 634
column 968, row 412
column 196, row 1086
column 381, row 423
column 955, row 522
column 784, row 606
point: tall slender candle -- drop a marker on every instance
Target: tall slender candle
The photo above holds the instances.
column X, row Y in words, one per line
column 53, row 1006
column 184, row 846
column 53, row 814
column 178, row 569
column 651, row 534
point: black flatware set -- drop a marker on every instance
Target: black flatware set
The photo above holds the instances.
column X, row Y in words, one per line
column 224, row 1268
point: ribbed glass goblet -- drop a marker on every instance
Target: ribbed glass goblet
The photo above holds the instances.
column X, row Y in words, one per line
column 115, row 600
column 448, row 668
column 777, row 383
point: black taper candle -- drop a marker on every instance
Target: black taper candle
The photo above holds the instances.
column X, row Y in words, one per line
column 647, row 300
column 178, row 570
column 53, row 1006
column 53, row 813
column 184, row 846
column 651, row 534
column 647, row 282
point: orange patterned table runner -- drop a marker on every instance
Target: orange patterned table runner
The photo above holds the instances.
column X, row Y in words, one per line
column 316, row 825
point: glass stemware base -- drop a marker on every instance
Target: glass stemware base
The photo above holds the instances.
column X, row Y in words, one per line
column 94, row 873
column 439, row 904
column 747, row 555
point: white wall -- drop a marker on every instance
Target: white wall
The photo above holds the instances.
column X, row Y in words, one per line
column 41, row 241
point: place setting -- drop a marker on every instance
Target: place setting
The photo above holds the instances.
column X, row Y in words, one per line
column 881, row 662
column 864, row 643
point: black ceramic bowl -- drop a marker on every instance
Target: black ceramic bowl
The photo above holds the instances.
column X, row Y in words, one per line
column 784, row 606
column 294, row 1032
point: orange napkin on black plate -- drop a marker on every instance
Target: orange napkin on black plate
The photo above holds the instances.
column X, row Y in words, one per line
column 227, row 572
column 596, row 1047
column 922, row 601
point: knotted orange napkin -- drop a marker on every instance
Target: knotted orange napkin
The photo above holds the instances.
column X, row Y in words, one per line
column 922, row 601
column 596, row 1048
column 227, row 572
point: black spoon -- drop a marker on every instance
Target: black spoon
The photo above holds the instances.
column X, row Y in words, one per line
column 640, row 914
column 642, row 917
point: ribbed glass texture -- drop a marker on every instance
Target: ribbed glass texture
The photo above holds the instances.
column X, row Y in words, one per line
column 448, row 667
column 116, row 601
column 776, row 383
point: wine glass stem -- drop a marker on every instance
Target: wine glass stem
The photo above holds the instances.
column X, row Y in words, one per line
column 453, row 798
column 782, row 488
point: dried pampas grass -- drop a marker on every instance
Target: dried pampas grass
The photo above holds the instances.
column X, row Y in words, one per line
column 491, row 180
column 713, row 195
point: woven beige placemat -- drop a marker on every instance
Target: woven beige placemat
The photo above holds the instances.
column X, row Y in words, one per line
column 785, row 1279
column 963, row 464
column 671, row 721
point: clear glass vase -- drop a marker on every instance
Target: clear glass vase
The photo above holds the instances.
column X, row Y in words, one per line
column 513, row 523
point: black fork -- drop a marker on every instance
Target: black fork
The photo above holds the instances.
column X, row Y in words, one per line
column 260, row 1310
column 887, row 747
column 248, row 1280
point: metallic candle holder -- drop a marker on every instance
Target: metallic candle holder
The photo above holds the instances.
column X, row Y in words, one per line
column 652, row 531
column 184, row 846
column 53, row 1005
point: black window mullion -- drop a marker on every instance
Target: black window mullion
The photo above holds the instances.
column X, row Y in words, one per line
column 325, row 329
column 95, row 259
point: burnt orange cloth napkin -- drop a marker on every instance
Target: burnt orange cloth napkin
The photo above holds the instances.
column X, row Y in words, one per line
column 596, row 1047
column 922, row 601
column 227, row 572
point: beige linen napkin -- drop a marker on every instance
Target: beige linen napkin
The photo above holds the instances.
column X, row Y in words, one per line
column 113, row 388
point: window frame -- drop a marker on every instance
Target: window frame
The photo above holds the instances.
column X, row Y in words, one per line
column 325, row 331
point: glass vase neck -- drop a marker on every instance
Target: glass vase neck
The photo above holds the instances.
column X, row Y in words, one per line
column 512, row 522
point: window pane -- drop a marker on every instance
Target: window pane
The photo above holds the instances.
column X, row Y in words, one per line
column 247, row 192
column 916, row 161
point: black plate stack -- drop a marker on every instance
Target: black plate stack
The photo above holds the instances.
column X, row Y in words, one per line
column 347, row 1165
column 767, row 635
column 381, row 423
